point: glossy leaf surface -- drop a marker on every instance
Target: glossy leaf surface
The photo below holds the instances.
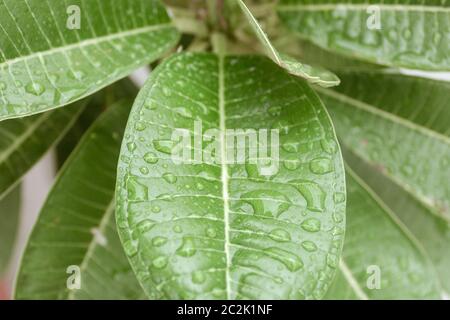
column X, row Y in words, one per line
column 221, row 229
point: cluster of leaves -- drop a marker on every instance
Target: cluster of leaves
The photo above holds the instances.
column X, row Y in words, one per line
column 203, row 231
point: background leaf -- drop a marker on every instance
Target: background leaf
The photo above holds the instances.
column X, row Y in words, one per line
column 24, row 141
column 411, row 34
column 378, row 244
column 315, row 75
column 44, row 64
column 9, row 215
column 199, row 231
column 76, row 226
column 395, row 129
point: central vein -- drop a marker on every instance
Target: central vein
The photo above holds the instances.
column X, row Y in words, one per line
column 224, row 177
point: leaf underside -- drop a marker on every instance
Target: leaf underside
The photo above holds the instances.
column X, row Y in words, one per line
column 394, row 130
column 411, row 34
column 44, row 64
column 224, row 231
column 314, row 75
column 76, row 226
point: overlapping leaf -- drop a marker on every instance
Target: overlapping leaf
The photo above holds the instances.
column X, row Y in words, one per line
column 398, row 125
column 315, row 75
column 221, row 229
column 411, row 33
column 76, row 230
column 24, row 141
column 48, row 60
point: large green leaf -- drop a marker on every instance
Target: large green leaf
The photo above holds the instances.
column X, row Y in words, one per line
column 45, row 64
column 410, row 33
column 381, row 259
column 24, row 141
column 9, row 215
column 315, row 75
column 220, row 230
column 76, row 226
column 398, row 126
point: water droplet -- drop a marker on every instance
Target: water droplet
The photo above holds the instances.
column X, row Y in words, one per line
column 156, row 209
column 339, row 197
column 130, row 248
column 164, row 146
column 177, row 229
column 292, row 164
column 332, row 260
column 311, row 225
column 145, row 226
column 131, row 146
column 329, row 146
column 198, row 277
column 280, row 235
column 160, row 262
column 313, row 194
column 144, row 170
column 169, row 178
column 35, row 88
column 150, row 105
column 187, row 248
column 151, row 158
column 184, row 112
column 136, row 190
column 140, row 126
column 275, row 110
column 2, row 85
column 309, row 246
column 211, row 232
column 291, row 147
column 290, row 260
column 321, row 166
column 159, row 241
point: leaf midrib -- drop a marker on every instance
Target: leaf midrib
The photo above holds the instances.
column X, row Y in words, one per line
column 87, row 42
column 362, row 7
column 224, row 172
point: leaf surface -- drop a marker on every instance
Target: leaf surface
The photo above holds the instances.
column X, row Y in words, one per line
column 76, row 226
column 411, row 34
column 225, row 230
column 9, row 215
column 24, row 141
column 396, row 131
column 315, row 75
column 44, row 64
column 381, row 258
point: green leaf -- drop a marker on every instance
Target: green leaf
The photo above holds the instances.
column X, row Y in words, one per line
column 76, row 226
column 315, row 75
column 9, row 215
column 398, row 126
column 218, row 230
column 98, row 104
column 24, row 141
column 411, row 34
column 381, row 259
column 44, row 64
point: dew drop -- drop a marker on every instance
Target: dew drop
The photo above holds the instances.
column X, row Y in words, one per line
column 156, row 209
column 145, row 226
column 321, row 166
column 151, row 158
column 159, row 241
column 280, row 235
column 160, row 262
column 140, row 126
column 2, row 85
column 184, row 112
column 130, row 248
column 211, row 232
column 329, row 146
column 164, row 146
column 177, row 229
column 187, row 248
column 35, row 88
column 309, row 246
column 311, row 225
column 292, row 164
column 166, row 91
column 131, row 146
column 144, row 170
column 198, row 277
column 290, row 260
column 339, row 197
column 169, row 178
